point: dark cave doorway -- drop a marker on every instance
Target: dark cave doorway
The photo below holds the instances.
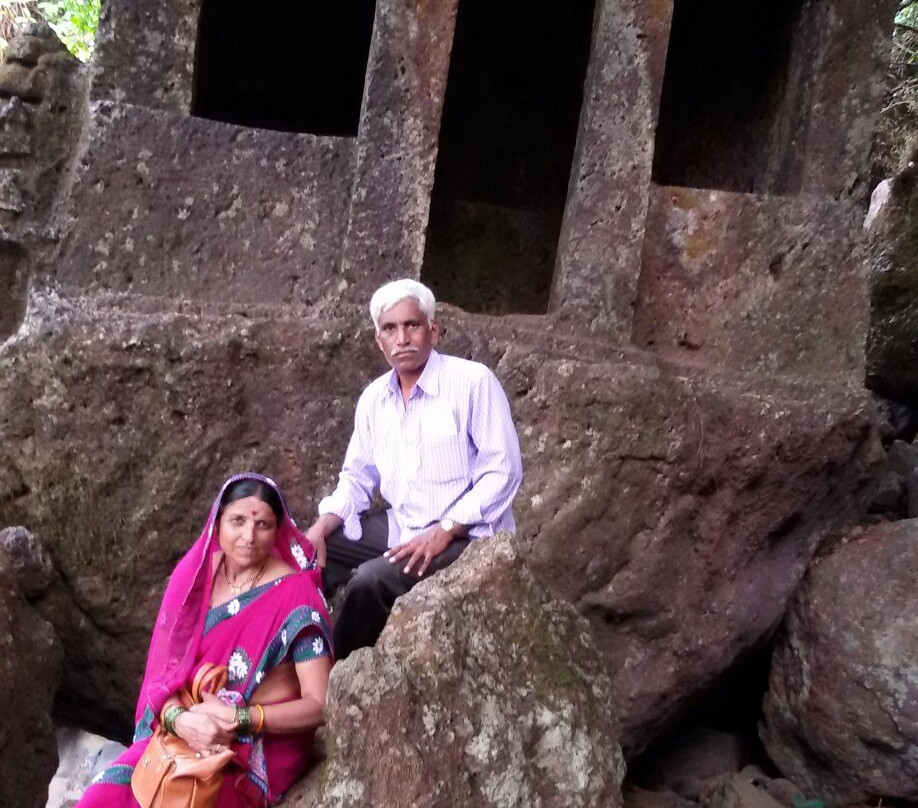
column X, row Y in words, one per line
column 721, row 726
column 733, row 101
column 287, row 65
column 507, row 139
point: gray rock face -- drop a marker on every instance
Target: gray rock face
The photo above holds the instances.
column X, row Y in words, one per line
column 397, row 143
column 31, row 661
column 841, row 714
column 42, row 95
column 754, row 282
column 28, row 560
column 607, row 201
column 482, row 691
column 145, row 53
column 676, row 508
column 178, row 206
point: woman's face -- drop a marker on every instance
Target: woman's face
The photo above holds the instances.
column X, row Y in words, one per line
column 247, row 530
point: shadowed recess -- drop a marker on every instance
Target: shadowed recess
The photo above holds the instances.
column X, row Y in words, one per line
column 290, row 65
column 733, row 101
column 13, row 283
column 507, row 140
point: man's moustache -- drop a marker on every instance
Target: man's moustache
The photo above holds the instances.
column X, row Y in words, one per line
column 399, row 351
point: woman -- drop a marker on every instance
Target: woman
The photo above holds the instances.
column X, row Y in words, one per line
column 246, row 595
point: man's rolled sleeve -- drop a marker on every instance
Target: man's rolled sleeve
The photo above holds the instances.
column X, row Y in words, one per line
column 346, row 511
column 358, row 479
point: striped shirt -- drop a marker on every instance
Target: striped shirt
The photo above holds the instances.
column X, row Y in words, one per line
column 451, row 452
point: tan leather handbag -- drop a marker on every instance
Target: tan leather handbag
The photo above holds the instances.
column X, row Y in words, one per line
column 170, row 774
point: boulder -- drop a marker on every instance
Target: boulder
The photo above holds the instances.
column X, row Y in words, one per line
column 745, row 789
column 81, row 756
column 31, row 661
column 482, row 691
column 841, row 713
column 28, row 560
column 676, row 507
column 635, row 797
column 892, row 346
column 684, row 761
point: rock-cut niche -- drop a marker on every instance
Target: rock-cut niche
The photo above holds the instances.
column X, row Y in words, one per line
column 289, row 65
column 733, row 95
column 507, row 137
column 13, row 277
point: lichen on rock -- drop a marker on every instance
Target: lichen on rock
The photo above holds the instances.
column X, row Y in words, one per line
column 482, row 691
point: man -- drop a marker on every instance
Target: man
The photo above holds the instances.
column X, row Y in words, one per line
column 435, row 437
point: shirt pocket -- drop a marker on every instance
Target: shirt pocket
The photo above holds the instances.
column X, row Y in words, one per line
column 445, row 458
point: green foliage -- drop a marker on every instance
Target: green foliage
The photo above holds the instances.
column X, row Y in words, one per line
column 904, row 66
column 905, row 49
column 908, row 13
column 74, row 21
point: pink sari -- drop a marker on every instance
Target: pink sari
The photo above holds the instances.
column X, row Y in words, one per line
column 251, row 635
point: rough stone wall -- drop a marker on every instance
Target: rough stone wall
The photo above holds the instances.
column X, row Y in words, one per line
column 41, row 109
column 171, row 205
column 145, row 53
column 31, row 665
column 892, row 353
column 842, row 54
column 223, row 273
column 754, row 282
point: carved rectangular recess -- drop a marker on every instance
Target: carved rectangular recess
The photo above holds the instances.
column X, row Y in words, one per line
column 288, row 65
column 507, row 137
column 734, row 101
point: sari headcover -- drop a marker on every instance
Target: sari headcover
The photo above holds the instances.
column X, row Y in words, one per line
column 180, row 624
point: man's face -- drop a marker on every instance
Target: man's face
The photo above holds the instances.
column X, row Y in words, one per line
column 405, row 338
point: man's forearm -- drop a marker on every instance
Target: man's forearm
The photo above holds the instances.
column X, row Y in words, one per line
column 326, row 524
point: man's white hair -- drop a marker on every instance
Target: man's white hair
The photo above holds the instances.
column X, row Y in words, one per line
column 395, row 292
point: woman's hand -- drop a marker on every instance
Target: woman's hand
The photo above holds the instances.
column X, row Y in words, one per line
column 207, row 727
column 211, row 705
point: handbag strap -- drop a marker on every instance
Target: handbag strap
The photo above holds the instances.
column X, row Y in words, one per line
column 209, row 678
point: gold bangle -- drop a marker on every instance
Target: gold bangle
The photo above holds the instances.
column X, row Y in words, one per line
column 261, row 719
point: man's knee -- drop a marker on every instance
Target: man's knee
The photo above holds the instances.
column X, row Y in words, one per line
column 371, row 574
column 377, row 579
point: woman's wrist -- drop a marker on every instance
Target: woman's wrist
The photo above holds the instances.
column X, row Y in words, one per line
column 250, row 720
column 243, row 718
column 170, row 715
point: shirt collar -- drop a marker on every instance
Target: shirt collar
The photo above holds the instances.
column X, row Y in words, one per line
column 429, row 380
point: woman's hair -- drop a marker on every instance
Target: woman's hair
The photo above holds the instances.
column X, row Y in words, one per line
column 395, row 292
column 252, row 488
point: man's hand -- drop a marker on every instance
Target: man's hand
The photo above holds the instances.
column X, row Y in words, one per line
column 319, row 531
column 421, row 549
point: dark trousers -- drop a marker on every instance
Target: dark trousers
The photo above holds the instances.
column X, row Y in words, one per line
column 372, row 582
